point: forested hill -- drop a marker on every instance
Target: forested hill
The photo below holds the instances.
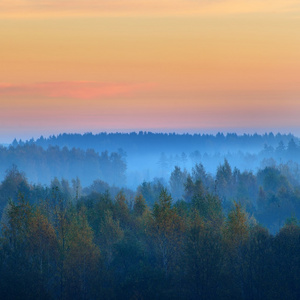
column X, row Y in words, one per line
column 148, row 142
column 58, row 244
column 42, row 165
column 147, row 155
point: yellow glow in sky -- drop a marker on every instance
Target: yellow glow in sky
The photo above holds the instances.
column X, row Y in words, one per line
column 107, row 65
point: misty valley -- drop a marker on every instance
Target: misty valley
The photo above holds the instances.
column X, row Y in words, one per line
column 150, row 216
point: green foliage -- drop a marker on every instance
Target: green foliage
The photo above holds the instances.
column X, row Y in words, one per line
column 236, row 227
column 203, row 259
column 140, row 206
column 81, row 258
column 55, row 244
column 177, row 181
column 41, row 165
column 166, row 227
column 29, row 252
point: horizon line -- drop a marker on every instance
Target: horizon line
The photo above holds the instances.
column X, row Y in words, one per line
column 191, row 132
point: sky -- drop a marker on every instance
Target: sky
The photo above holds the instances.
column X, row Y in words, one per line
column 160, row 65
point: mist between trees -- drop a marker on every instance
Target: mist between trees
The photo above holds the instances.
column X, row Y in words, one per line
column 61, row 242
column 188, row 234
column 266, row 182
column 125, row 160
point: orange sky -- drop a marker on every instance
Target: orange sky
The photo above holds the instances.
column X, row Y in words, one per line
column 159, row 65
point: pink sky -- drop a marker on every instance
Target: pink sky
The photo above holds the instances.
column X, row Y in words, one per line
column 96, row 66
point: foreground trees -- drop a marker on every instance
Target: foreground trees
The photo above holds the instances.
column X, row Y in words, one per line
column 29, row 253
column 55, row 244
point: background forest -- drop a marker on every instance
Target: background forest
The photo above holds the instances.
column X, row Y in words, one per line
column 188, row 234
column 136, row 157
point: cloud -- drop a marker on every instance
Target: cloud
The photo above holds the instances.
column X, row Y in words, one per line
column 72, row 89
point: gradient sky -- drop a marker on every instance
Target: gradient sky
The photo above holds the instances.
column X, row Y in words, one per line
column 161, row 65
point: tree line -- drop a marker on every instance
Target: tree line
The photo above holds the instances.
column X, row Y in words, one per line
column 270, row 195
column 42, row 165
column 150, row 142
column 144, row 155
column 63, row 242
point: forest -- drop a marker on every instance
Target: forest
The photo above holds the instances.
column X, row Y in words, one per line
column 233, row 233
column 232, row 236
column 142, row 156
column 41, row 166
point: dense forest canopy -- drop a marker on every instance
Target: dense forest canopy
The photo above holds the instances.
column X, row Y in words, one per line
column 41, row 166
column 149, row 142
column 211, row 225
column 136, row 157
column 60, row 241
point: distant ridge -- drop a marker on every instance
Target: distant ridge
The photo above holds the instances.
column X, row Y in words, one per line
column 149, row 142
